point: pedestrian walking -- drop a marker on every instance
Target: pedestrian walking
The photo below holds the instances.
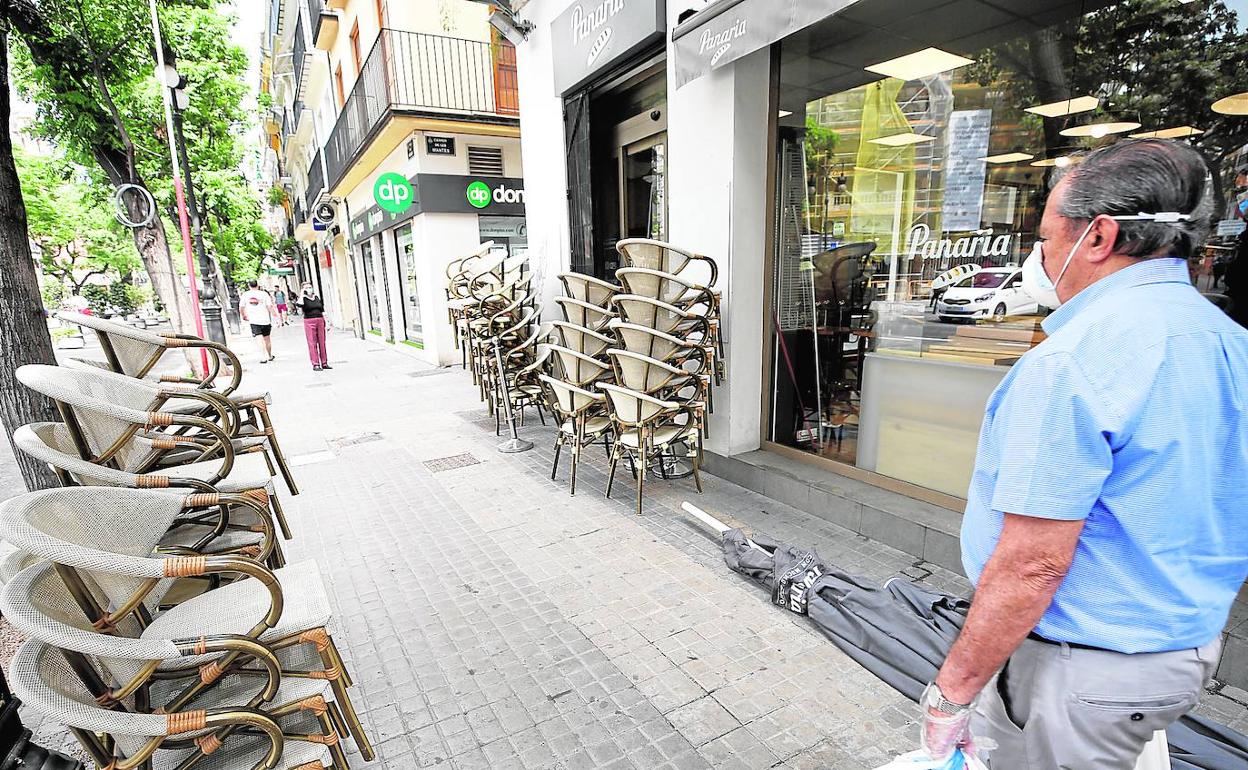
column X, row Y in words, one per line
column 279, row 299
column 258, row 310
column 1106, row 530
column 313, row 309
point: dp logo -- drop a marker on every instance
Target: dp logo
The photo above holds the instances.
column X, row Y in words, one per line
column 393, row 193
column 479, row 194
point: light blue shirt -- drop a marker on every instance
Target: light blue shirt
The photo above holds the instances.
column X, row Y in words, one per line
column 1132, row 415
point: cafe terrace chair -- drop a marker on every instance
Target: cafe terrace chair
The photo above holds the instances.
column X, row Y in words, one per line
column 215, row 529
column 104, row 542
column 582, row 420
column 661, row 380
column 577, row 368
column 671, row 320
column 134, row 353
column 203, row 403
column 109, row 424
column 588, row 289
column 494, row 309
column 678, row 292
column 645, row 429
column 658, row 255
column 44, row 679
column 117, row 666
column 652, row 343
column 584, row 314
column 580, row 339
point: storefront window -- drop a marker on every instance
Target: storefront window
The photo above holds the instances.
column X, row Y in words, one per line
column 909, row 193
column 510, row 234
column 407, row 273
column 370, row 285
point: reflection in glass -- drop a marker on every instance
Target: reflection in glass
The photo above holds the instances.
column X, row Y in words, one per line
column 370, row 285
column 411, row 297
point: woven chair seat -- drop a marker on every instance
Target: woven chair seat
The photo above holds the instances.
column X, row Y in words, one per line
column 243, row 752
column 189, row 534
column 249, row 472
column 661, row 437
column 235, row 690
column 593, row 426
column 236, row 609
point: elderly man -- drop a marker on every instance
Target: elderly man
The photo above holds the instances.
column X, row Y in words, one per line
column 1106, row 527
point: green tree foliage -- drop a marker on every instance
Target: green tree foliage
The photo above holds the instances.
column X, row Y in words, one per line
column 74, row 231
column 88, row 67
column 1156, row 62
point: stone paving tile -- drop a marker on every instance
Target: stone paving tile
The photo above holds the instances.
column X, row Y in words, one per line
column 491, row 620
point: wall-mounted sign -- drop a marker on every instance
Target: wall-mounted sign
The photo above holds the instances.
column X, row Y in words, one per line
column 502, row 227
column 450, row 194
column 394, row 193
column 324, row 214
column 725, row 31
column 440, row 145
column 965, row 169
column 440, row 194
column 592, row 35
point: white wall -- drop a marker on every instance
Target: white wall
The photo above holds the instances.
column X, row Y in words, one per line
column 542, row 145
column 717, row 135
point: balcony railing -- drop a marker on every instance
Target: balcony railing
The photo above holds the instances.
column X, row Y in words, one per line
column 417, row 72
column 299, row 50
column 315, row 8
column 316, row 182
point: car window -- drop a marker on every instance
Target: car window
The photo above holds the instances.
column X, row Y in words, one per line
column 984, row 280
column 1015, row 281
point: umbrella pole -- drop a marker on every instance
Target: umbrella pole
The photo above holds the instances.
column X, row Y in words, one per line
column 713, row 524
column 515, row 443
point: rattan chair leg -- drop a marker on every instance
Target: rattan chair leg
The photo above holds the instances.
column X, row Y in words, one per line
column 697, row 475
column 578, row 425
column 615, row 458
column 335, row 749
column 340, row 724
column 641, row 471
column 558, row 446
column 275, row 505
column 339, row 686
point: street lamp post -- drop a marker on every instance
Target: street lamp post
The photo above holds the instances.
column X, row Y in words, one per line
column 209, row 305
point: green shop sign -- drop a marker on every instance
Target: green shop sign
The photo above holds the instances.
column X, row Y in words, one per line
column 394, row 193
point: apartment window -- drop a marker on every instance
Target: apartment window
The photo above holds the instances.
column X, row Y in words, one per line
column 342, row 94
column 485, row 161
column 355, row 45
column 382, row 14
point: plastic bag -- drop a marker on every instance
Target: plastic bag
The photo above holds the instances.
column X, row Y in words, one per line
column 919, row 760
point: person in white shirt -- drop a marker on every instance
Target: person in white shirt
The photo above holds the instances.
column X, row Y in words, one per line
column 257, row 308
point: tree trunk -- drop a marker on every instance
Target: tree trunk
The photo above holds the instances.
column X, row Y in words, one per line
column 24, row 337
column 151, row 242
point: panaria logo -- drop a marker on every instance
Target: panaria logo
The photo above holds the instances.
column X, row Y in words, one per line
column 720, row 43
column 586, row 23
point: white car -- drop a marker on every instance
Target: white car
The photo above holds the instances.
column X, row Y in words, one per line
column 995, row 292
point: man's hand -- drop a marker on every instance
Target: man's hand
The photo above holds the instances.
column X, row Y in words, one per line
column 942, row 731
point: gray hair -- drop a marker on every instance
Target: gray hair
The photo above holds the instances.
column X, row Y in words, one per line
column 1142, row 176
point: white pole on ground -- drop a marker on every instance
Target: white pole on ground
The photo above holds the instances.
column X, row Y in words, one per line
column 712, row 523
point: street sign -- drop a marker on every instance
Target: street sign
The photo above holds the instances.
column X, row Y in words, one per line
column 325, row 213
column 440, row 145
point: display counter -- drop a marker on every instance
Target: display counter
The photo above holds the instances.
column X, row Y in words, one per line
column 921, row 417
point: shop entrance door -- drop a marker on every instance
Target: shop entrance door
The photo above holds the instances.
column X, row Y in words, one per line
column 643, row 188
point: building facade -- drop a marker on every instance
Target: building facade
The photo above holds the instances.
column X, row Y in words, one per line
column 383, row 115
column 868, row 175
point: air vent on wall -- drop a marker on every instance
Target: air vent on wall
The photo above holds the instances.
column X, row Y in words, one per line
column 485, row 161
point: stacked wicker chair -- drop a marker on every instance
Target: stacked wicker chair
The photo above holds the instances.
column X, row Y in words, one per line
column 496, row 317
column 165, row 627
column 632, row 365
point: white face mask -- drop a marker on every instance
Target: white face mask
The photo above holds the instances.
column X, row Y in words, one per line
column 1036, row 282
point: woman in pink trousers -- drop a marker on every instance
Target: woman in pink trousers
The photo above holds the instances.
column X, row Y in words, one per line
column 313, row 309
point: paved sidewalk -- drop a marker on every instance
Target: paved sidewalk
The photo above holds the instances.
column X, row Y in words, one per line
column 490, row 620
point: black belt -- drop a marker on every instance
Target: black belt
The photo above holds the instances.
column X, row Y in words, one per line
column 1071, row 645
